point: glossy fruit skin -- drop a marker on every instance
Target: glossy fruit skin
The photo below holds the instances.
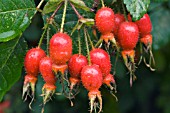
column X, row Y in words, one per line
column 119, row 18
column 144, row 25
column 101, row 58
column 45, row 67
column 91, row 77
column 32, row 59
column 75, row 65
column 104, row 19
column 60, row 48
column 128, row 34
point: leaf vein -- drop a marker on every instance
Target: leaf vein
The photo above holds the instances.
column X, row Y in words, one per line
column 23, row 9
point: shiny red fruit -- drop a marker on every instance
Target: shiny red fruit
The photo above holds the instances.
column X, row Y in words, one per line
column 104, row 20
column 46, row 70
column 128, row 34
column 119, row 18
column 75, row 65
column 91, row 77
column 60, row 48
column 101, row 58
column 32, row 59
column 144, row 25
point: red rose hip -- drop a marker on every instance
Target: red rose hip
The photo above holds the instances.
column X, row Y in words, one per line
column 91, row 77
column 104, row 20
column 32, row 60
column 144, row 25
column 128, row 34
column 31, row 63
column 75, row 65
column 101, row 58
column 60, row 48
column 119, row 18
column 60, row 51
column 46, row 70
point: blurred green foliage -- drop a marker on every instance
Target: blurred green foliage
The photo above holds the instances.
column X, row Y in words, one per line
column 149, row 94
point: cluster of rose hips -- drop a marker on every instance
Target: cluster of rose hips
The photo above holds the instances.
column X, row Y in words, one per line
column 125, row 34
column 91, row 75
column 94, row 69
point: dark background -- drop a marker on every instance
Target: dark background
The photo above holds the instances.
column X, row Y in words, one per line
column 150, row 92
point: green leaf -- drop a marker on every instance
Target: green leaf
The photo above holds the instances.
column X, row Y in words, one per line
column 15, row 16
column 11, row 62
column 81, row 22
column 80, row 4
column 87, row 21
column 137, row 8
column 51, row 6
